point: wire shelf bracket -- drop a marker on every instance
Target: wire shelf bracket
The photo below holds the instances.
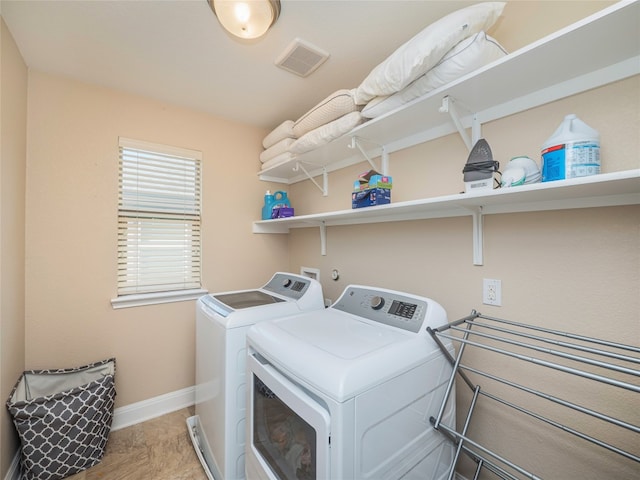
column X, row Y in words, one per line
column 384, row 155
column 449, row 106
column 325, row 178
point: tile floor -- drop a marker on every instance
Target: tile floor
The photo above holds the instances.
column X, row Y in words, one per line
column 159, row 449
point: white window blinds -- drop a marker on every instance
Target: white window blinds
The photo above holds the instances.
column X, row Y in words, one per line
column 158, row 218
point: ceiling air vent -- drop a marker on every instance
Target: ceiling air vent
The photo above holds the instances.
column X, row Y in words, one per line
column 301, row 58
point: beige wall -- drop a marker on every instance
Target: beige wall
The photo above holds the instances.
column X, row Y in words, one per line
column 573, row 270
column 525, row 21
column 13, row 145
column 71, row 231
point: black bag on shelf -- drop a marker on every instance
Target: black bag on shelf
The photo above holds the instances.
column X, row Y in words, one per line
column 63, row 418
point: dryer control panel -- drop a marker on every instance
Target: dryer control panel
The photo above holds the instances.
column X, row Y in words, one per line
column 396, row 309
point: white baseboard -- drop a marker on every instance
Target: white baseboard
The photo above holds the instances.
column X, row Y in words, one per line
column 153, row 407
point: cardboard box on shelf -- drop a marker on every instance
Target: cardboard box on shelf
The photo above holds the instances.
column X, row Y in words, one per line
column 375, row 180
column 370, row 197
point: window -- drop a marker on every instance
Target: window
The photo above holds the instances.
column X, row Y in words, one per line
column 158, row 224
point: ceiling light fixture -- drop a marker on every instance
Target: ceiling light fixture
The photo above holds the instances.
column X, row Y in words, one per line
column 246, row 18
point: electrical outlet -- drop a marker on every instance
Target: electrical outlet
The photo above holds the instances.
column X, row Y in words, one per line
column 492, row 292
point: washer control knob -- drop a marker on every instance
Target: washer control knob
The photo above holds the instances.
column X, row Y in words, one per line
column 286, row 282
column 377, row 302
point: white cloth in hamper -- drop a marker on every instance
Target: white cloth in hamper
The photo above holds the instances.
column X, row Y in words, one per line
column 326, row 133
column 282, row 131
column 276, row 149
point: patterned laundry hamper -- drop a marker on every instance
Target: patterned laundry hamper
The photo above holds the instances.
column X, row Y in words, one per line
column 63, row 418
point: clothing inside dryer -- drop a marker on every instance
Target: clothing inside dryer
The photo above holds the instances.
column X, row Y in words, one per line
column 285, row 440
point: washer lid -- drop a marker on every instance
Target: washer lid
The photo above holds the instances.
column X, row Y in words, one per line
column 338, row 353
column 246, row 299
column 284, row 294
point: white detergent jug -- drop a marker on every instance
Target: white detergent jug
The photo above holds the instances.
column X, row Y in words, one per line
column 572, row 151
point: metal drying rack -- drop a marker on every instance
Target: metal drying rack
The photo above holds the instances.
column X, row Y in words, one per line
column 527, row 343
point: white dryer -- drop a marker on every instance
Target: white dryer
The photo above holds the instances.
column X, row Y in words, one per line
column 347, row 392
column 217, row 429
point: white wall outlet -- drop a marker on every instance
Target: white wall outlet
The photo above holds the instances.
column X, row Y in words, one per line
column 492, row 292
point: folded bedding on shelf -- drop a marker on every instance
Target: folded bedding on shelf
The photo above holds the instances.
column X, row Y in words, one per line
column 422, row 52
column 281, row 132
column 331, row 108
column 443, row 51
column 326, row 133
column 276, row 149
column 468, row 55
column 287, row 149
column 277, row 160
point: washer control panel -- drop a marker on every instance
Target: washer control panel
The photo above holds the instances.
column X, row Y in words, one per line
column 395, row 309
column 288, row 285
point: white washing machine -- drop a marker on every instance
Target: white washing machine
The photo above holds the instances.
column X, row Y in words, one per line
column 217, row 429
column 347, row 392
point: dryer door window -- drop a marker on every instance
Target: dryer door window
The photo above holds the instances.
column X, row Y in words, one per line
column 289, row 431
column 284, row 439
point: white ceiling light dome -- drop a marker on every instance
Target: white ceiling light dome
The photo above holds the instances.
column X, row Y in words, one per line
column 246, row 18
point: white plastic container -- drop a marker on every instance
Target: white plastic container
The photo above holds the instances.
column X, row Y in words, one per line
column 572, row 151
column 520, row 171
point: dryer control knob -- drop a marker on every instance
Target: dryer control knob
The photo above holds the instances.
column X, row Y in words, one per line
column 377, row 302
column 286, row 282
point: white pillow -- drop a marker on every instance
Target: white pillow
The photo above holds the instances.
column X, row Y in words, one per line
column 468, row 55
column 277, row 160
column 276, row 149
column 331, row 108
column 326, row 133
column 282, row 131
column 417, row 56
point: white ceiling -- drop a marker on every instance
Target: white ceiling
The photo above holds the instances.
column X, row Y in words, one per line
column 176, row 51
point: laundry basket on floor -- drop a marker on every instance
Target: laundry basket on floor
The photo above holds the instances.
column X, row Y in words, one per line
column 63, row 418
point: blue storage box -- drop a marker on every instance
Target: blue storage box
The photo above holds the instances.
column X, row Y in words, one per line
column 282, row 212
column 370, row 197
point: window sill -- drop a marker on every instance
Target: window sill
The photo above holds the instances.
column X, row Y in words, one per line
column 140, row 300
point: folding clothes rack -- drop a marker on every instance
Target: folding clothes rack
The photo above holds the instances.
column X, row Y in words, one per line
column 521, row 342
